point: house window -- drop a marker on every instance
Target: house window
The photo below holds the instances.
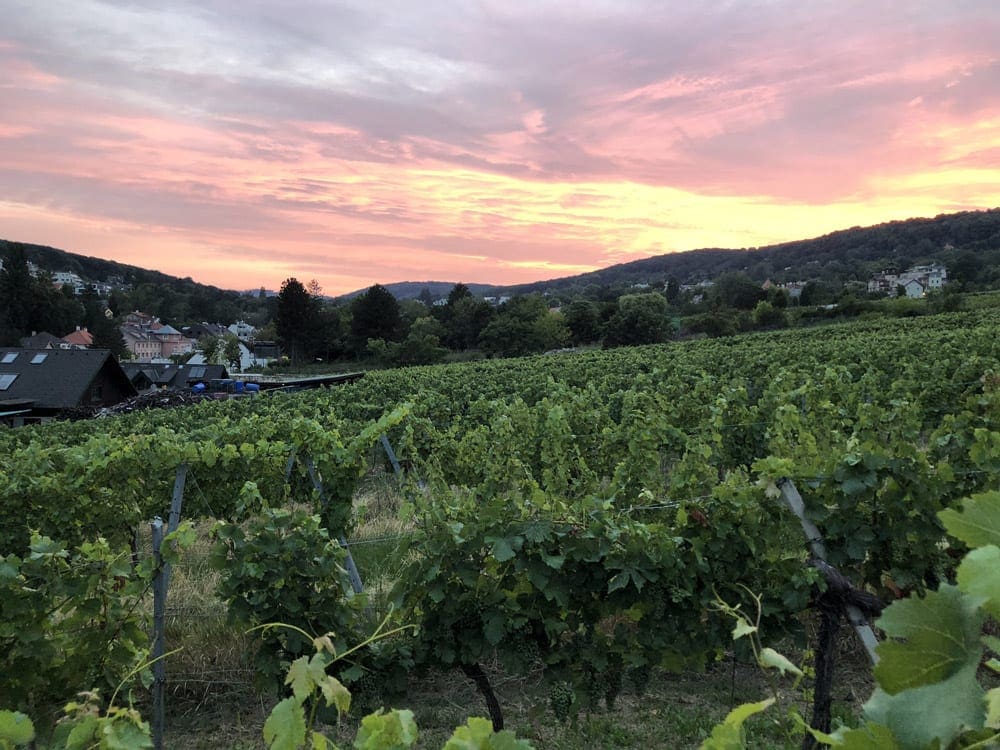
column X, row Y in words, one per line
column 7, row 380
column 97, row 393
column 9, row 357
column 197, row 372
column 38, row 359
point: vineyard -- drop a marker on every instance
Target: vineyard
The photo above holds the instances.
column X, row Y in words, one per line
column 581, row 516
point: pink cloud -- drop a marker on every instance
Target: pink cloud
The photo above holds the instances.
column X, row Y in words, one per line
column 525, row 143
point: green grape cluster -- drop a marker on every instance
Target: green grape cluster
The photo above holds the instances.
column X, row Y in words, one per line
column 561, row 700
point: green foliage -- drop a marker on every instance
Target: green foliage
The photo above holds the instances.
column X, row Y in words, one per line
column 298, row 320
column 16, row 730
column 729, row 734
column 583, row 319
column 282, row 566
column 928, row 695
column 639, row 319
column 375, row 315
column 478, row 734
column 86, row 727
column 69, row 621
column 580, row 511
column 291, row 724
column 393, row 730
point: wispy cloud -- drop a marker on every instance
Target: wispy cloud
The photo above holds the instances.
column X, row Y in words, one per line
column 495, row 141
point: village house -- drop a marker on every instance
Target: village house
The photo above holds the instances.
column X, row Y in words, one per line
column 148, row 339
column 81, row 338
column 916, row 281
column 150, row 376
column 37, row 384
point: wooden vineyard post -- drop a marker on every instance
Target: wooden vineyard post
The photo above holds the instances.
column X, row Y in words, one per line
column 161, row 581
column 832, row 604
column 159, row 610
column 854, row 615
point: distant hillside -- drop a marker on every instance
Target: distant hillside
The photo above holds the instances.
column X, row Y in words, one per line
column 179, row 301
column 968, row 244
column 99, row 269
column 412, row 289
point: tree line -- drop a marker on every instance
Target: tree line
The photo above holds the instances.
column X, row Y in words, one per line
column 376, row 326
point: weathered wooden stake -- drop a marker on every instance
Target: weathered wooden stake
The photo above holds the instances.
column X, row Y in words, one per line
column 159, row 610
column 854, row 616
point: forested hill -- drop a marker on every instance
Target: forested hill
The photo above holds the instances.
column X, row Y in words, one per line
column 414, row 289
column 98, row 269
column 181, row 301
column 968, row 243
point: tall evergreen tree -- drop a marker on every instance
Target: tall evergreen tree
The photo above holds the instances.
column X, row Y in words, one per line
column 297, row 320
column 16, row 291
column 375, row 315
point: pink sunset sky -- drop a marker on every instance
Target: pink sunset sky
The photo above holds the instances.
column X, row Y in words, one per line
column 241, row 142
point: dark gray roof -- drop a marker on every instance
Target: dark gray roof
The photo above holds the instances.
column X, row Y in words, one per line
column 173, row 376
column 42, row 340
column 56, row 378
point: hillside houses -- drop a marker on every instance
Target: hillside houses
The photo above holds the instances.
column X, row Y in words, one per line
column 149, row 339
column 916, row 281
column 81, row 338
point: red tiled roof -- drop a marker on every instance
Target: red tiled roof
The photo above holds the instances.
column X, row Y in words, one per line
column 80, row 337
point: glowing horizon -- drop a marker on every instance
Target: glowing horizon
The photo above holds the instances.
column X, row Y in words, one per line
column 494, row 143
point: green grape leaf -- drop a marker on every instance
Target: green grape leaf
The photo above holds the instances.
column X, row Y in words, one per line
column 619, row 581
column 502, row 550
column 125, row 735
column 300, row 678
column 868, row 736
column 477, row 734
column 285, row 728
column 743, row 627
column 938, row 638
column 554, row 561
column 993, row 708
column 336, row 694
column 494, row 626
column 83, row 733
column 473, row 736
column 771, row 658
column 979, row 522
column 979, row 575
column 319, row 741
column 728, row 735
column 394, row 730
column 938, row 712
column 16, row 728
